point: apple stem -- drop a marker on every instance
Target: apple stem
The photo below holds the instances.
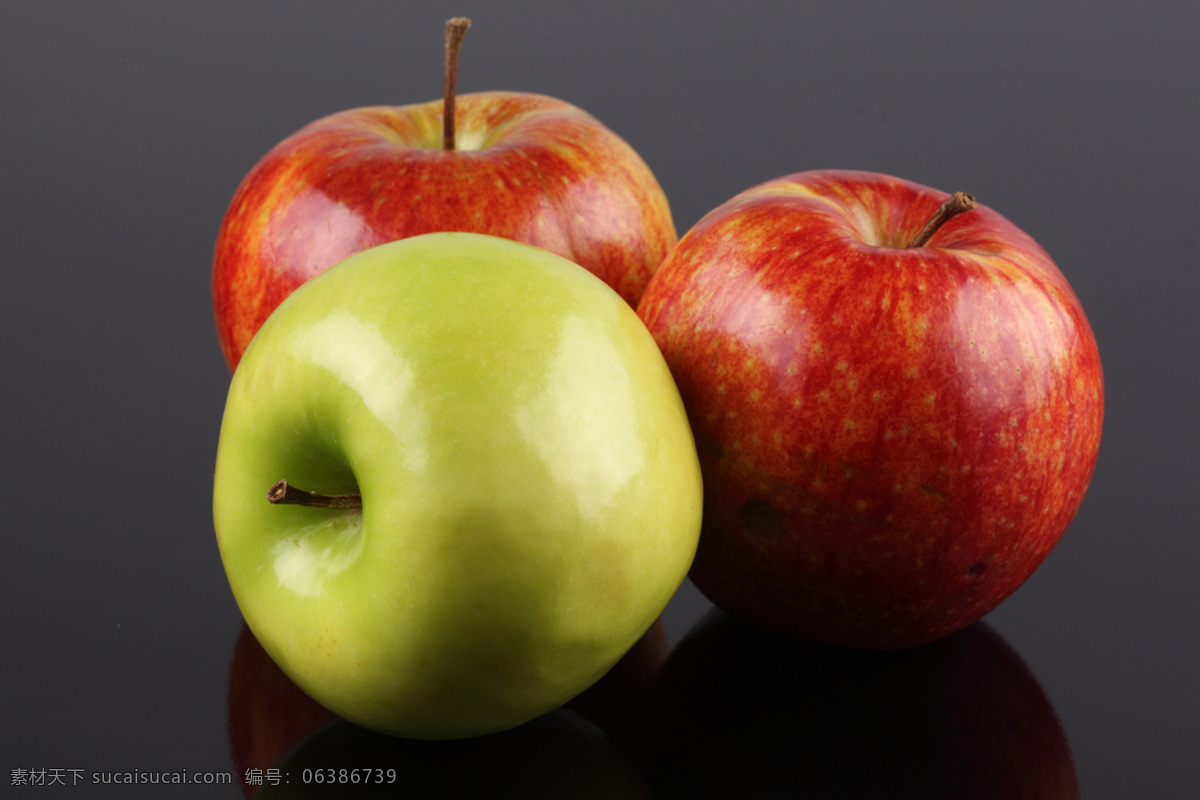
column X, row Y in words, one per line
column 456, row 29
column 284, row 494
column 955, row 204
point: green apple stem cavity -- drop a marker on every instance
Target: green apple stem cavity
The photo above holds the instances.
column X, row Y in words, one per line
column 955, row 204
column 456, row 29
column 283, row 493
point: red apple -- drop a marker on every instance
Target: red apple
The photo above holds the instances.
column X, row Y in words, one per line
column 892, row 437
column 520, row 166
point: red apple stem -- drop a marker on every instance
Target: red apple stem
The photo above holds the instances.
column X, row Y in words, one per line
column 955, row 204
column 456, row 29
column 283, row 493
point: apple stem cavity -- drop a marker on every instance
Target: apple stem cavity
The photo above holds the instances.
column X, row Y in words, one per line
column 283, row 493
column 955, row 204
column 456, row 29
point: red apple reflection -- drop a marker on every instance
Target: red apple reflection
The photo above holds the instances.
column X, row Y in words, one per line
column 268, row 715
column 740, row 711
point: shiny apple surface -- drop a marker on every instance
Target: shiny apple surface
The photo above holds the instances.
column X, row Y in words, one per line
column 530, row 492
column 527, row 167
column 893, row 438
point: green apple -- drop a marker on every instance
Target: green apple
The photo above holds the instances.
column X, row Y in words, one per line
column 500, row 490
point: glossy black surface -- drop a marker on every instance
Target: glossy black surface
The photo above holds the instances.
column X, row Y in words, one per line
column 127, row 126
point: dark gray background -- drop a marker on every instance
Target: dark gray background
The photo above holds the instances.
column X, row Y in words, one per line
column 127, row 126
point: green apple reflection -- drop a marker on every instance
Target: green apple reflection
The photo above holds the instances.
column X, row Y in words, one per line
column 268, row 715
column 557, row 755
column 738, row 711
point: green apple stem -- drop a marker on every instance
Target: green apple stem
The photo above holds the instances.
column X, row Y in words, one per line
column 955, row 204
column 456, row 28
column 284, row 494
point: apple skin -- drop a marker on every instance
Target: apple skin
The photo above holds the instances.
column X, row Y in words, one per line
column 892, row 439
column 527, row 167
column 530, row 489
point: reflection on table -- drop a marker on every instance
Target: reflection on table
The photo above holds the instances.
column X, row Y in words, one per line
column 732, row 711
